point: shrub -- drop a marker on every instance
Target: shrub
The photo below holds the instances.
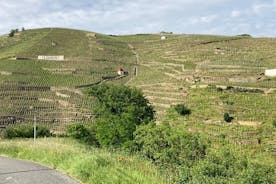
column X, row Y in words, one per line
column 26, row 131
column 83, row 133
column 274, row 123
column 168, row 146
column 229, row 165
column 119, row 111
column 12, row 32
column 182, row 110
column 227, row 117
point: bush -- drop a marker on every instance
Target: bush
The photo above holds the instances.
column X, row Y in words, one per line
column 227, row 117
column 182, row 110
column 274, row 123
column 168, row 146
column 82, row 133
column 26, row 131
column 229, row 165
column 119, row 111
column 12, row 32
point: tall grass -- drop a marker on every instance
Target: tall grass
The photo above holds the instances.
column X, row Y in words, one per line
column 87, row 164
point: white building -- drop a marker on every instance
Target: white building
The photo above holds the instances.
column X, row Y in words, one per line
column 163, row 37
column 270, row 73
column 51, row 58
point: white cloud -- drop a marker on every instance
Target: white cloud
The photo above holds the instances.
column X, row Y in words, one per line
column 235, row 13
column 208, row 19
column 139, row 16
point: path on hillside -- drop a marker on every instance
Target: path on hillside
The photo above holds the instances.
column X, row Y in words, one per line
column 135, row 69
column 14, row 171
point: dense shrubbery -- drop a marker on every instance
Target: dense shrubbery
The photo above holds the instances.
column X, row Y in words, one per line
column 166, row 145
column 119, row 110
column 83, row 133
column 26, row 131
column 182, row 110
column 228, row 165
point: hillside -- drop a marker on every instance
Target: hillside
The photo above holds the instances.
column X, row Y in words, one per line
column 48, row 88
column 210, row 74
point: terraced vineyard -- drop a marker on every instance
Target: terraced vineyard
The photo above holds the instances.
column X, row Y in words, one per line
column 49, row 88
column 209, row 74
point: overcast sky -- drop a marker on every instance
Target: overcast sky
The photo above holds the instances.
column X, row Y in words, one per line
column 226, row 17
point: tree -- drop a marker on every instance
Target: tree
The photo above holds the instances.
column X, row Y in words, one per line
column 227, row 117
column 119, row 110
column 23, row 29
column 12, row 32
column 182, row 110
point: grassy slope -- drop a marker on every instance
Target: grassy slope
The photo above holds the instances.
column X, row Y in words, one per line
column 89, row 165
column 89, row 57
column 178, row 70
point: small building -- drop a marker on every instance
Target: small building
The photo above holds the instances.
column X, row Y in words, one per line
column 163, row 37
column 120, row 71
column 270, row 73
column 51, row 58
column 54, row 43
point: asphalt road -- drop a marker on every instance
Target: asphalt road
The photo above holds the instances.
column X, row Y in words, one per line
column 14, row 171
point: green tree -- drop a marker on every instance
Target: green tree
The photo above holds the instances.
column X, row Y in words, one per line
column 12, row 32
column 227, row 117
column 119, row 110
column 182, row 110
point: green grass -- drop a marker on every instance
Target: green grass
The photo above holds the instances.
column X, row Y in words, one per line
column 87, row 164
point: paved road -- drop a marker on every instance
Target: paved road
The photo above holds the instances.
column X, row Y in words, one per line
column 14, row 171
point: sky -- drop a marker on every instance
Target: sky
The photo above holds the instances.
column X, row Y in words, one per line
column 223, row 17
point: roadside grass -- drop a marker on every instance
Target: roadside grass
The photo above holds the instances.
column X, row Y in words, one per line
column 87, row 164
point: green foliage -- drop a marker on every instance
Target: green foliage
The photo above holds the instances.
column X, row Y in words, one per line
column 274, row 123
column 259, row 174
column 228, row 165
column 119, row 110
column 167, row 146
column 227, row 117
column 83, row 133
column 12, row 32
column 26, row 131
column 85, row 163
column 182, row 110
column 120, row 99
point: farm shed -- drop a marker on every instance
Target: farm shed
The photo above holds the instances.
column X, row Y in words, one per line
column 120, row 71
column 52, row 58
column 163, row 37
column 270, row 73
